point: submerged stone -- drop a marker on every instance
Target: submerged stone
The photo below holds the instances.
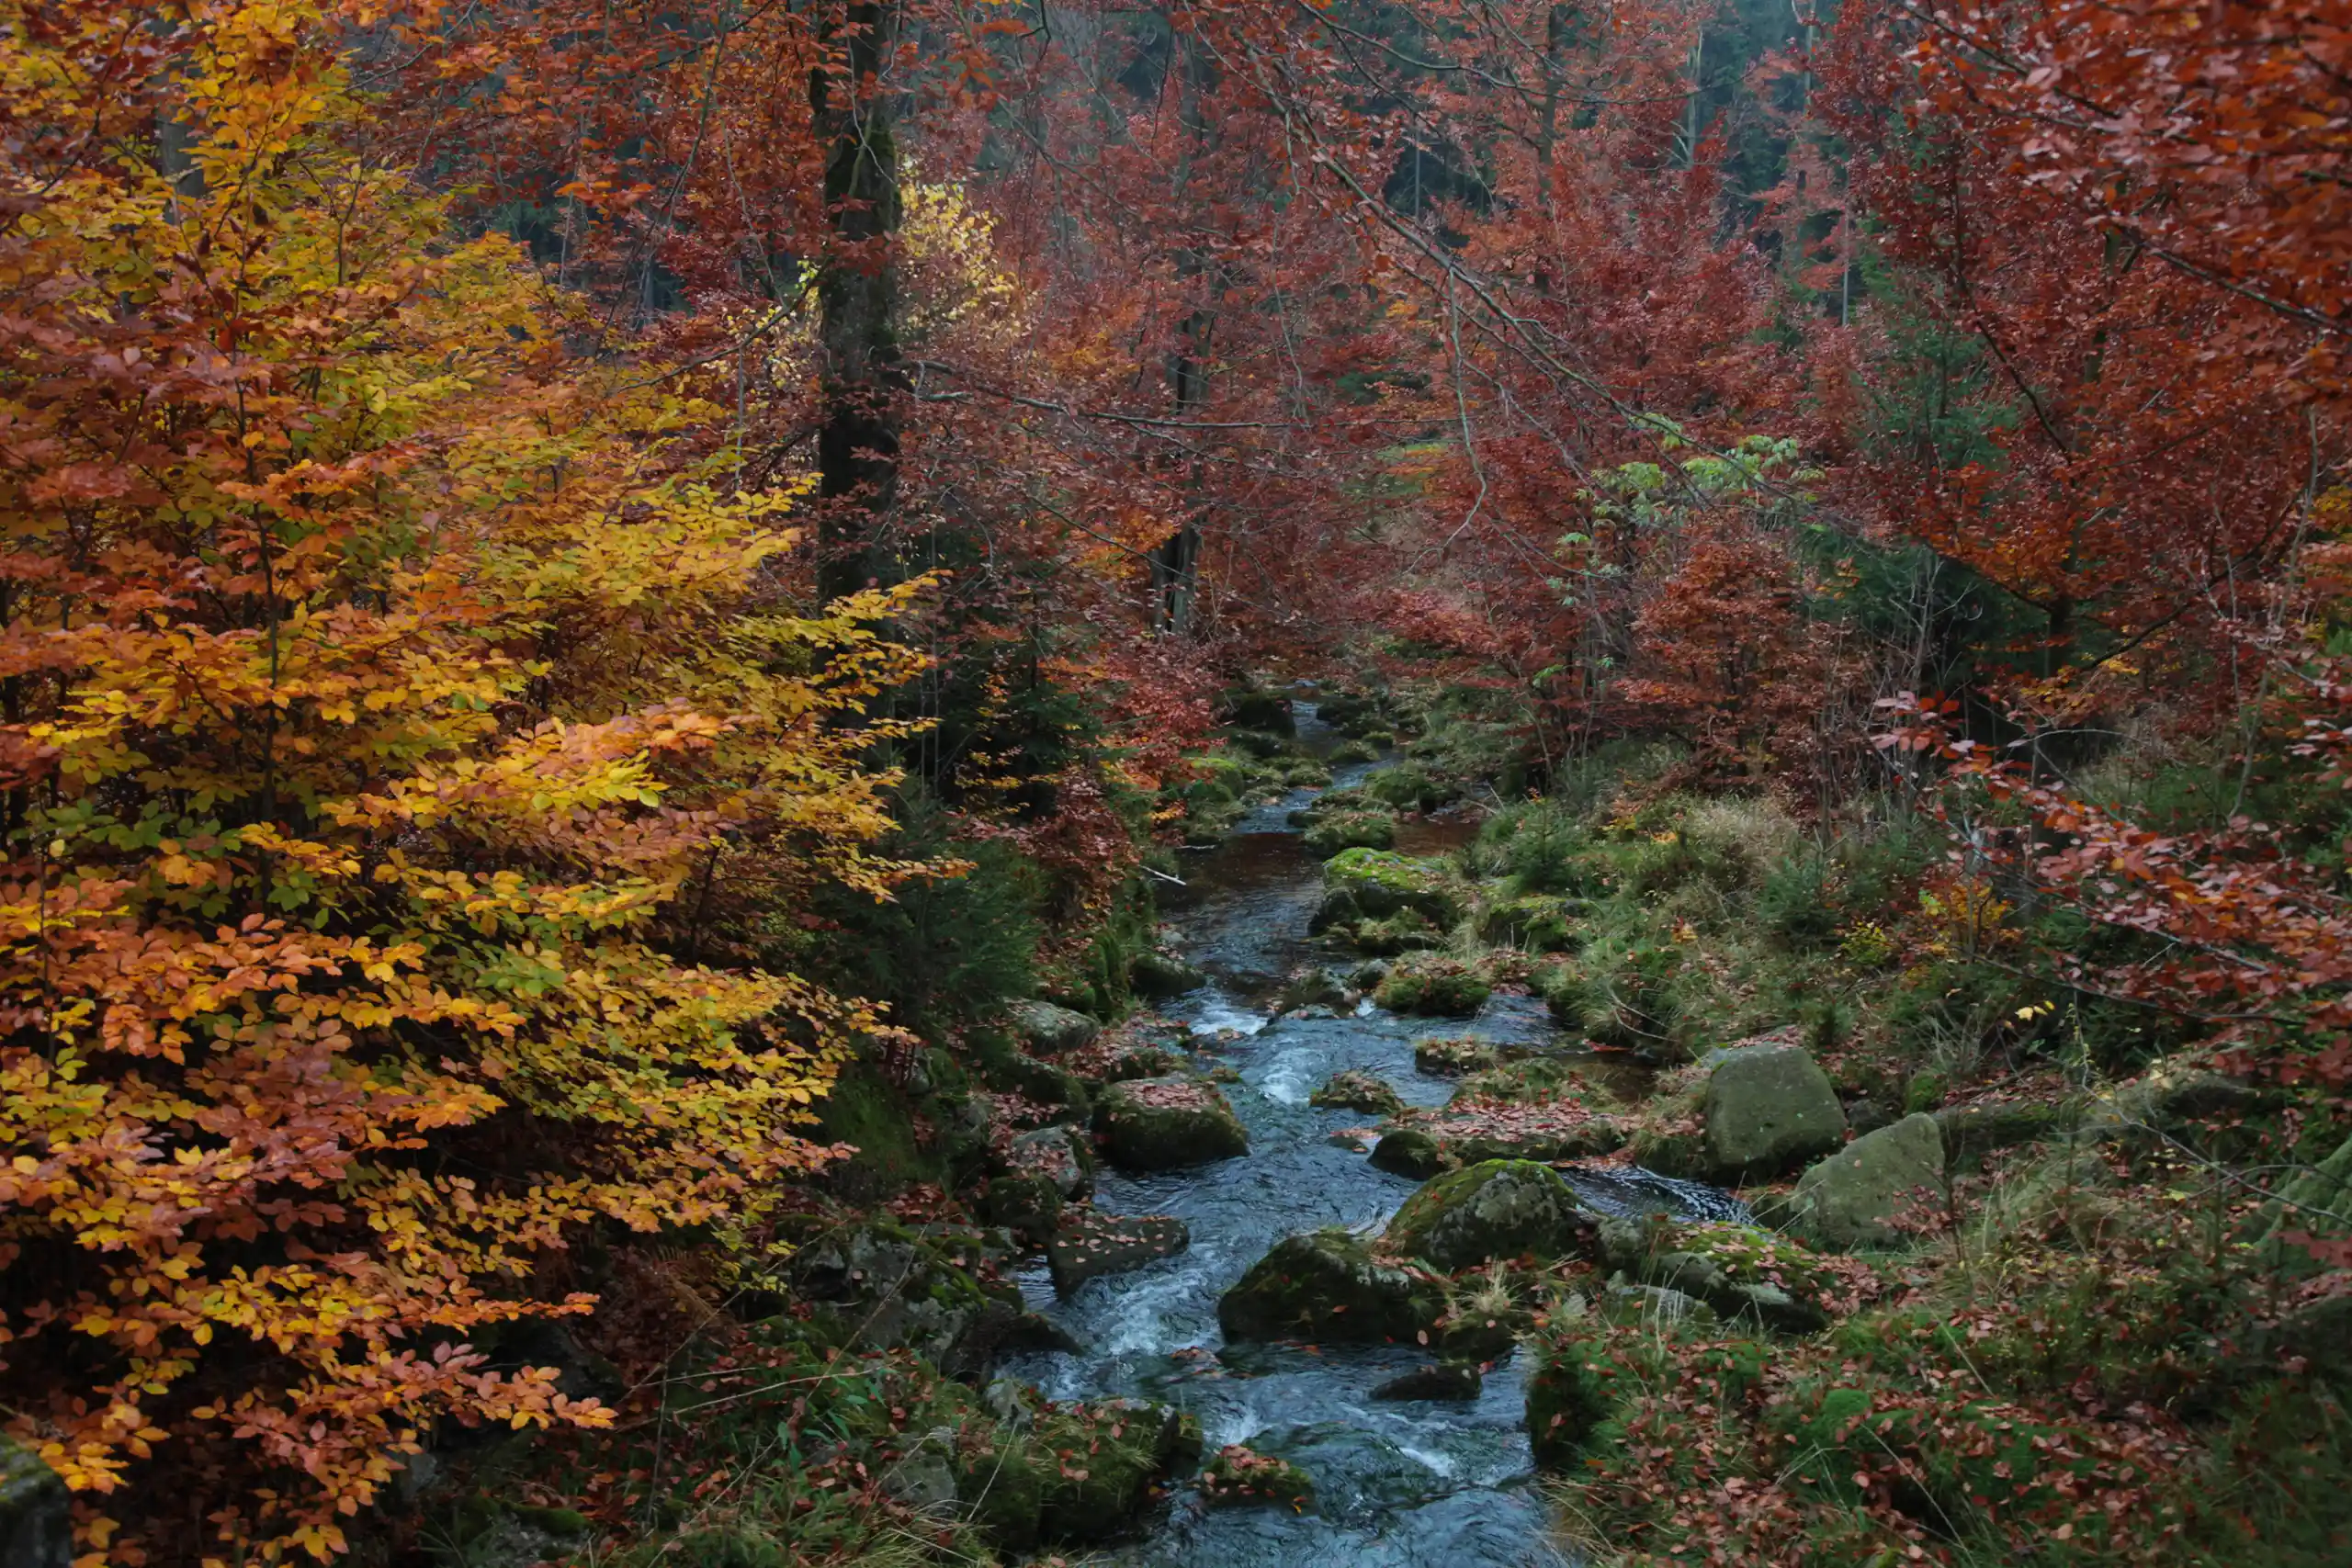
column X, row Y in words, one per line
column 1355, row 1091
column 1444, row 1381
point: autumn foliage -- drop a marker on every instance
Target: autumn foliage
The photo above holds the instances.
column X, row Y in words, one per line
column 379, row 679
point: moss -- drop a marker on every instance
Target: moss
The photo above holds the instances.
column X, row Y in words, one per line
column 1361, row 1091
column 1350, row 830
column 1408, row 788
column 1408, row 1151
column 1237, row 1474
column 1535, row 922
column 1327, row 1286
column 1442, row 988
column 1168, row 1123
column 1453, row 1057
column 1495, row 1209
column 1572, row 1396
column 1408, row 931
column 1383, row 882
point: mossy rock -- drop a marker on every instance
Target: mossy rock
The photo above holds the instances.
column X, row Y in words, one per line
column 1971, row 1131
column 1027, row 1491
column 1332, row 803
column 1496, row 1209
column 1235, row 1474
column 1742, row 1272
column 1044, row 1082
column 1453, row 1057
column 1383, row 882
column 1408, row 787
column 880, row 1286
column 1267, row 712
column 1537, row 923
column 1166, row 1123
column 1352, row 752
column 1355, row 1091
column 1350, row 830
column 1407, row 931
column 1849, row 1198
column 1048, row 1030
column 1029, row 1206
column 1408, row 1151
column 1327, row 1286
column 1769, row 1109
column 1441, row 987
column 1158, row 976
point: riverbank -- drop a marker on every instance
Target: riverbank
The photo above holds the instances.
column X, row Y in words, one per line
column 1542, row 1029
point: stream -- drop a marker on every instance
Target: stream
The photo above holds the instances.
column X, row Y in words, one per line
column 1397, row 1485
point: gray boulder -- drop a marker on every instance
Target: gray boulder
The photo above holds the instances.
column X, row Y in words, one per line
column 1501, row 1208
column 1166, row 1123
column 1327, row 1286
column 1051, row 1031
column 1769, row 1109
column 1847, row 1199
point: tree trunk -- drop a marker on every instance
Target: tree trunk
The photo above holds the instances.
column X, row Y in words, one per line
column 857, row 448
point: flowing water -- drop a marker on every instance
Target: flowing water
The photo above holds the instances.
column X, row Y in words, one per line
column 1398, row 1485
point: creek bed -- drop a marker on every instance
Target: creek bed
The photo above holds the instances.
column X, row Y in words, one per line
column 1398, row 1485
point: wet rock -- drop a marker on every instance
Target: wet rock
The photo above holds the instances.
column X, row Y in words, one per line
column 1327, row 1286
column 1238, row 1474
column 1338, row 911
column 1339, row 831
column 1383, row 882
column 1165, row 1124
column 1059, row 1154
column 1354, row 1090
column 1847, row 1199
column 1049, row 1030
column 1267, row 712
column 879, row 1286
column 1359, row 1476
column 1441, row 987
column 1453, row 1058
column 36, row 1511
column 1496, row 1209
column 1408, row 1151
column 1446, row 1380
column 1311, row 987
column 1090, row 1243
column 1044, row 1082
column 1769, row 1109
column 1161, row 975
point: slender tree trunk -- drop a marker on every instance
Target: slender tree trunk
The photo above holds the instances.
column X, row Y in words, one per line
column 1175, row 562
column 857, row 449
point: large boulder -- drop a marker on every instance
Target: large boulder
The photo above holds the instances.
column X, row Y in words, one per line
column 1769, row 1109
column 1327, row 1286
column 1161, row 975
column 1503, row 1208
column 1052, row 1030
column 1090, row 1243
column 880, row 1286
column 1848, row 1198
column 1357, row 1091
column 36, row 1513
column 1166, row 1123
column 1380, row 881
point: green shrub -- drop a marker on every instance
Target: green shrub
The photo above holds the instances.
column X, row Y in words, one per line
column 1794, row 902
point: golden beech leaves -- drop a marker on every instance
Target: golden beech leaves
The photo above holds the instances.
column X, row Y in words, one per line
column 377, row 672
